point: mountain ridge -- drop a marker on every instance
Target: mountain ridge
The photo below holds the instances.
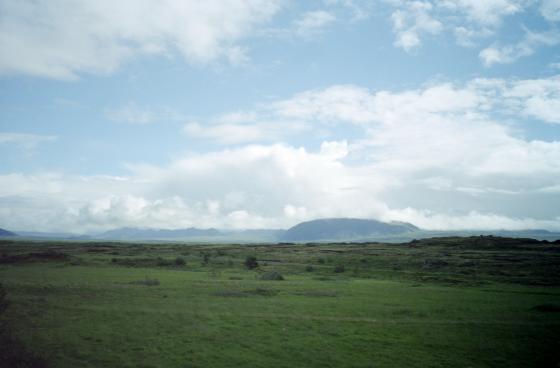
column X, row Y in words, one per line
column 345, row 231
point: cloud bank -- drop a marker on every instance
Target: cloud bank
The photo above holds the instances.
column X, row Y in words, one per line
column 443, row 156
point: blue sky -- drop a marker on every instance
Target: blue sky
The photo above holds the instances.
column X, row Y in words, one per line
column 262, row 114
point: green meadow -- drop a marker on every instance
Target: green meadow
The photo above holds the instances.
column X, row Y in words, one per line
column 449, row 302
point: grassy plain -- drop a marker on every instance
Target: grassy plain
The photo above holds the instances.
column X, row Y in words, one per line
column 451, row 302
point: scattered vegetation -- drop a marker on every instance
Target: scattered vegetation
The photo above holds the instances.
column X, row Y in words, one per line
column 477, row 301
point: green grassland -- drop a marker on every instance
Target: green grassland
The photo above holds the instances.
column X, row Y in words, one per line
column 449, row 302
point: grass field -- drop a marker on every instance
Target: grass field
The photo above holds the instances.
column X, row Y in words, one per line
column 452, row 302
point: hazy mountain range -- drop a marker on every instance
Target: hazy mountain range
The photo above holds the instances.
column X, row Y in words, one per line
column 334, row 229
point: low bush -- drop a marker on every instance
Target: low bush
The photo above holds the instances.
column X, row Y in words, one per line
column 180, row 261
column 164, row 262
column 251, row 262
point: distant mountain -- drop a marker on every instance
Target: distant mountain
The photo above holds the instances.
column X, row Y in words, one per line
column 345, row 229
column 128, row 233
column 6, row 233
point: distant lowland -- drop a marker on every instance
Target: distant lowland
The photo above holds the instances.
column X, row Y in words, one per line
column 320, row 230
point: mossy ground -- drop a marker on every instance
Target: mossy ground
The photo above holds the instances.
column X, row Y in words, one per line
column 450, row 303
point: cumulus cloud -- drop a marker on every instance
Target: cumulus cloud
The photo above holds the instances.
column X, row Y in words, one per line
column 61, row 39
column 249, row 187
column 537, row 98
column 442, row 156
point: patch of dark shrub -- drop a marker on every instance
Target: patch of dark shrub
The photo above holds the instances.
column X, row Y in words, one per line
column 50, row 255
column 245, row 293
column 251, row 262
column 161, row 262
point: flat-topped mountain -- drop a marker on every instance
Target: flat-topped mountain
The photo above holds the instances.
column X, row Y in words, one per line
column 345, row 229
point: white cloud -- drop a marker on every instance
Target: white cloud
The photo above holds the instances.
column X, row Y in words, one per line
column 485, row 12
column 351, row 103
column 61, row 39
column 413, row 20
column 249, row 187
column 472, row 220
column 27, row 141
column 537, row 98
column 470, row 21
column 313, row 22
column 526, row 47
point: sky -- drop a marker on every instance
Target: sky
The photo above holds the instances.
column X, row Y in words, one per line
column 247, row 114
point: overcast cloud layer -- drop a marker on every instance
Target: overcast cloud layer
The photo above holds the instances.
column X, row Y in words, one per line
column 261, row 114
